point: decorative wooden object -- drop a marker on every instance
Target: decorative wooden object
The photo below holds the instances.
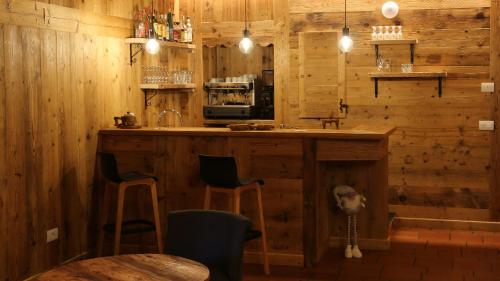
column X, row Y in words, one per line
column 235, row 195
column 409, row 75
column 145, row 267
column 292, row 162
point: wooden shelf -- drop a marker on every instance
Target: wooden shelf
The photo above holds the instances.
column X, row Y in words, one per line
column 167, row 86
column 407, row 74
column 237, row 121
column 162, row 43
column 394, row 42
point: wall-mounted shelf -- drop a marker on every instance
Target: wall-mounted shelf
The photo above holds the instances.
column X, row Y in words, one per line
column 167, row 86
column 159, row 87
column 141, row 41
column 411, row 42
column 408, row 75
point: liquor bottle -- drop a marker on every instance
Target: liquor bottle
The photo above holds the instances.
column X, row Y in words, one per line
column 189, row 31
column 170, row 26
column 151, row 31
column 177, row 31
column 156, row 25
column 183, row 30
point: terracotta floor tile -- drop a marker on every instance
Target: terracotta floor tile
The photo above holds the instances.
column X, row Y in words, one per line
column 401, row 273
column 466, row 237
column 474, row 265
column 434, row 263
column 405, row 260
column 434, row 235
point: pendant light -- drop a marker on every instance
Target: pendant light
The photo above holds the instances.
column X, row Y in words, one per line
column 345, row 43
column 390, row 9
column 152, row 45
column 246, row 44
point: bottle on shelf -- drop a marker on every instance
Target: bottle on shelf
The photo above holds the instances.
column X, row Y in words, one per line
column 189, row 31
column 151, row 31
column 177, row 31
column 155, row 25
column 183, row 30
column 170, row 26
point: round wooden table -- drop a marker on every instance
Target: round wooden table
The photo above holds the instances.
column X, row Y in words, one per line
column 144, row 267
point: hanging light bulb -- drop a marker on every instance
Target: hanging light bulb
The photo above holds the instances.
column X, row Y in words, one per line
column 345, row 44
column 246, row 44
column 152, row 46
column 390, row 9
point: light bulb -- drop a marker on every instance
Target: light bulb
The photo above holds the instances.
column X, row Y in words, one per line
column 246, row 44
column 152, row 46
column 390, row 9
column 346, row 44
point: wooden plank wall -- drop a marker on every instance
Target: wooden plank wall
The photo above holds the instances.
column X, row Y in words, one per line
column 57, row 89
column 439, row 162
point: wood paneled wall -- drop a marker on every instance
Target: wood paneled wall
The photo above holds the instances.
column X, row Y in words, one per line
column 57, row 89
column 440, row 161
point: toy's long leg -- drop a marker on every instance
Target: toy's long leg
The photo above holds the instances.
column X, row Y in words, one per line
column 348, row 230
column 355, row 230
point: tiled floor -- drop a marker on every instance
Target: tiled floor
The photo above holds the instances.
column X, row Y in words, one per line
column 415, row 255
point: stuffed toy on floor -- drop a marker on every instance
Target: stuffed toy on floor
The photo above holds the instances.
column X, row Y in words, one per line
column 350, row 202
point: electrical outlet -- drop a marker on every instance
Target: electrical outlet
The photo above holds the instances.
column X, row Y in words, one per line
column 52, row 234
column 486, row 125
column 487, row 87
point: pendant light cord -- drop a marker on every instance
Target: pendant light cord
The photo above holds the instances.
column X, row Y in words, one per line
column 246, row 27
column 345, row 13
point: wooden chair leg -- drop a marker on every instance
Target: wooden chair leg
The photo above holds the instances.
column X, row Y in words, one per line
column 142, row 214
column 208, row 195
column 119, row 218
column 156, row 213
column 103, row 218
column 237, row 200
column 262, row 229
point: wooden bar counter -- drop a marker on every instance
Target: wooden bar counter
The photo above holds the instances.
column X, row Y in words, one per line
column 299, row 166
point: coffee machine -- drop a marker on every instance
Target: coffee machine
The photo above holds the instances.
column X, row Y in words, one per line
column 233, row 97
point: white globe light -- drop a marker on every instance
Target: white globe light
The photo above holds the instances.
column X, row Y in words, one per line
column 390, row 9
column 152, row 46
column 346, row 44
column 246, row 45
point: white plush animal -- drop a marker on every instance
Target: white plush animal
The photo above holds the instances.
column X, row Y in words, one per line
column 350, row 202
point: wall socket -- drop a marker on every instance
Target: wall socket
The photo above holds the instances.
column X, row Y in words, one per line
column 488, row 87
column 486, row 125
column 52, row 234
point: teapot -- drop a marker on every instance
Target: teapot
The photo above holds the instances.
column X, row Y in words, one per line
column 127, row 120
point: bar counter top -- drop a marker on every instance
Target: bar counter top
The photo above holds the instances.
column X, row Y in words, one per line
column 360, row 132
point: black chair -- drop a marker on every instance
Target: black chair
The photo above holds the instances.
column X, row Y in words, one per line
column 220, row 173
column 109, row 170
column 213, row 238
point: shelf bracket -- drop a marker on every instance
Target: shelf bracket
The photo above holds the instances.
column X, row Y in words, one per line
column 148, row 98
column 140, row 49
column 376, row 86
column 412, row 53
column 440, row 86
column 377, row 54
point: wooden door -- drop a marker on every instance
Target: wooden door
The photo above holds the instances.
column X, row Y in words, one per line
column 321, row 75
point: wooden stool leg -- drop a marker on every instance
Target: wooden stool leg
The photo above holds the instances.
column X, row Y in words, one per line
column 208, row 196
column 119, row 218
column 142, row 214
column 237, row 200
column 104, row 212
column 156, row 213
column 262, row 229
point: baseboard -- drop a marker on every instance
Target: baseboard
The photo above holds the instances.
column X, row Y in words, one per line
column 368, row 244
column 447, row 224
column 275, row 258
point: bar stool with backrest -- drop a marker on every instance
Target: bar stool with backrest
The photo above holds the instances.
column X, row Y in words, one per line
column 109, row 170
column 220, row 173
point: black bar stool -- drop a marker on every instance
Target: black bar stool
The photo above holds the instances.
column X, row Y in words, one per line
column 109, row 170
column 221, row 176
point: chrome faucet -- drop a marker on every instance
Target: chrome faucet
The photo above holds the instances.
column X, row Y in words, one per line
column 165, row 112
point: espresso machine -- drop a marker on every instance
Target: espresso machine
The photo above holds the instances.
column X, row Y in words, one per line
column 232, row 98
